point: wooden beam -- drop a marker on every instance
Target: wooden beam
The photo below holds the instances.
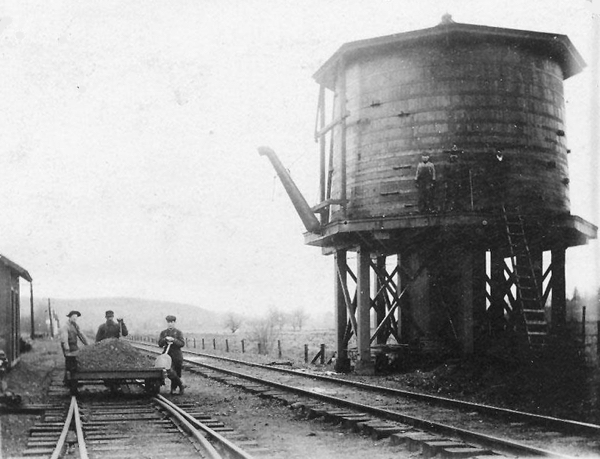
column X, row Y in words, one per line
column 342, row 103
column 346, row 295
column 326, row 203
column 325, row 129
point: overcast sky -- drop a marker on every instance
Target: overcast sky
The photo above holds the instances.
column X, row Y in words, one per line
column 128, row 135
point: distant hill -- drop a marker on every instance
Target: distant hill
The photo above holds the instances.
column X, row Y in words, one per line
column 141, row 316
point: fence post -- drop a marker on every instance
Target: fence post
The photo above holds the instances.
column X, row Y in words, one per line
column 259, row 347
column 202, row 343
column 194, row 342
column 215, row 344
column 226, row 345
column 186, row 342
column 243, row 347
column 322, row 354
column 279, row 348
column 306, row 353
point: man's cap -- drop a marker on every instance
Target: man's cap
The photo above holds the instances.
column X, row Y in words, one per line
column 109, row 314
column 77, row 313
column 171, row 318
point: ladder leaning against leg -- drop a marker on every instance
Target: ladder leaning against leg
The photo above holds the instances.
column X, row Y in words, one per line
column 531, row 311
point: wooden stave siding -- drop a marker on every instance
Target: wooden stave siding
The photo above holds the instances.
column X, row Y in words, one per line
column 479, row 96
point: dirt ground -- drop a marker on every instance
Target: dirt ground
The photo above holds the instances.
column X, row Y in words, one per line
column 273, row 426
column 560, row 385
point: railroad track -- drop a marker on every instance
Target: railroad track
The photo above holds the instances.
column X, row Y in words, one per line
column 434, row 425
column 99, row 424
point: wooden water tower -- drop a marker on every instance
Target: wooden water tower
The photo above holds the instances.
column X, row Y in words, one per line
column 486, row 104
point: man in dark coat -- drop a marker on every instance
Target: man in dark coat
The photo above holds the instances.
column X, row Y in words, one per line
column 173, row 337
column 111, row 329
column 499, row 172
column 456, row 183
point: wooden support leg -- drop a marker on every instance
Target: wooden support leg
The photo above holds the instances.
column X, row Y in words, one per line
column 559, row 302
column 364, row 364
column 380, row 301
column 496, row 309
column 342, row 364
column 479, row 296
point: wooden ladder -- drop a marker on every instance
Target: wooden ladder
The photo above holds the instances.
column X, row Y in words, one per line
column 530, row 307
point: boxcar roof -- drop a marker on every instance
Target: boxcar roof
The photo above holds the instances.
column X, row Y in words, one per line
column 556, row 46
column 16, row 268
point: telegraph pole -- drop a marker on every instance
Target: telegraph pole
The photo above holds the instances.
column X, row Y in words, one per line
column 32, row 314
column 50, row 317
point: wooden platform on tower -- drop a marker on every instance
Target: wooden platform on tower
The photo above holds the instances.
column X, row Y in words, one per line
column 388, row 235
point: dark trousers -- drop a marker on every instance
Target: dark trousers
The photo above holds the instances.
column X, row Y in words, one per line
column 70, row 366
column 425, row 190
column 174, row 374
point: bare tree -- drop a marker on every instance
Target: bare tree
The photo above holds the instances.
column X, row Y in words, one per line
column 264, row 331
column 298, row 317
column 277, row 318
column 233, row 321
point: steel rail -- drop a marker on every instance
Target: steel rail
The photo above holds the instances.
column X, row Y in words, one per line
column 546, row 421
column 229, row 448
column 487, row 440
column 60, row 444
column 468, row 435
column 208, row 447
column 79, row 429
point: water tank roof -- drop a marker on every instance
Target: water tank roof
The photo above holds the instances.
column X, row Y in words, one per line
column 555, row 46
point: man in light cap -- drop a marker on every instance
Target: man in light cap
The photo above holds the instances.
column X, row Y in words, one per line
column 111, row 329
column 173, row 337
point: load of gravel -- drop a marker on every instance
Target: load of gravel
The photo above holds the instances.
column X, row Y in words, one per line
column 112, row 354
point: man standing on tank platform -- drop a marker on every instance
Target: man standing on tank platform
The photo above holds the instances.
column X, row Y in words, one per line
column 172, row 339
column 425, row 183
column 455, row 182
column 499, row 171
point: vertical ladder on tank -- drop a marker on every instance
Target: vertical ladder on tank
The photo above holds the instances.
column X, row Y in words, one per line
column 528, row 298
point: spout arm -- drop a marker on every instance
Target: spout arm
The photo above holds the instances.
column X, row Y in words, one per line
column 302, row 208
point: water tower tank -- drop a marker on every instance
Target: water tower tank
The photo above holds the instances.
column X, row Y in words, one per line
column 466, row 95
column 472, row 88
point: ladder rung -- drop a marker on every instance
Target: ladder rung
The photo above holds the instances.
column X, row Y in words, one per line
column 536, row 333
column 533, row 311
column 536, row 322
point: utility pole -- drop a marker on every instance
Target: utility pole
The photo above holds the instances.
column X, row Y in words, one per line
column 50, row 317
column 32, row 314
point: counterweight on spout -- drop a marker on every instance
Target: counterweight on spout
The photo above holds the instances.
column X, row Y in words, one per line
column 304, row 211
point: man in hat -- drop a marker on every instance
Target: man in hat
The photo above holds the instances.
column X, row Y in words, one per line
column 69, row 336
column 111, row 329
column 172, row 340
